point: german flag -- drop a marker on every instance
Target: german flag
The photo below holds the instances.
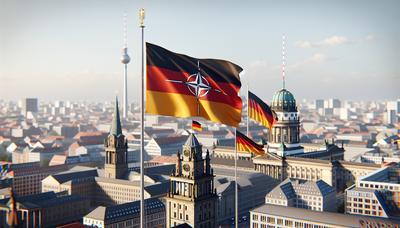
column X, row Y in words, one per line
column 196, row 126
column 260, row 111
column 243, row 143
column 182, row 86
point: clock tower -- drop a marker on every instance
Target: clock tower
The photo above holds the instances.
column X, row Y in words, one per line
column 192, row 197
column 116, row 147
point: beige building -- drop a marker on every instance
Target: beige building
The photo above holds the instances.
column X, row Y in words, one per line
column 335, row 173
column 376, row 194
column 89, row 183
column 192, row 197
column 127, row 215
column 313, row 195
column 27, row 177
column 281, row 216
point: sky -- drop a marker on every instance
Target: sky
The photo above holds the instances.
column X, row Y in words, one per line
column 70, row 49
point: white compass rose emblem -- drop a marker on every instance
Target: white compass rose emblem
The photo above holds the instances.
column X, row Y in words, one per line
column 197, row 84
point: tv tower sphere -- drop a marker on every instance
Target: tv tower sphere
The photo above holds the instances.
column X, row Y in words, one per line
column 125, row 59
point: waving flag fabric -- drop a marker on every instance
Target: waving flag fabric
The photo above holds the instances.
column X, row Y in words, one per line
column 182, row 86
column 243, row 143
column 260, row 111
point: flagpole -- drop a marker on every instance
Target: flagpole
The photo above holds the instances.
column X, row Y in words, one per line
column 142, row 210
column 248, row 134
column 236, row 184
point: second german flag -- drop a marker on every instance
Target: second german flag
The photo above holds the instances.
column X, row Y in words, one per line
column 260, row 111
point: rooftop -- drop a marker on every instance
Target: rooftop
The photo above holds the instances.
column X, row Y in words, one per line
column 121, row 211
column 334, row 219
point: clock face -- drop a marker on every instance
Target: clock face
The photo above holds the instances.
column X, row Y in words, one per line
column 186, row 153
column 186, row 167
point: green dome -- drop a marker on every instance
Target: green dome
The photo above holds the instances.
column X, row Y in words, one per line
column 283, row 100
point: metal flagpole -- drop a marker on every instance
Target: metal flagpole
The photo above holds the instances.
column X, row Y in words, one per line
column 248, row 134
column 142, row 212
column 236, row 184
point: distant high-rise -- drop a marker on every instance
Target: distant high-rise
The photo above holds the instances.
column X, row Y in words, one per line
column 125, row 59
column 29, row 105
column 192, row 197
column 393, row 111
column 319, row 103
column 116, row 147
column 332, row 103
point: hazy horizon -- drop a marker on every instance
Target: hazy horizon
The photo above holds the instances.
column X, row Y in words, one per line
column 70, row 50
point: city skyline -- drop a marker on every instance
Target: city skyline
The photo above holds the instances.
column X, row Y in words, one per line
column 329, row 51
column 256, row 114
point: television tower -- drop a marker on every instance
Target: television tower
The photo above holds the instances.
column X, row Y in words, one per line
column 125, row 59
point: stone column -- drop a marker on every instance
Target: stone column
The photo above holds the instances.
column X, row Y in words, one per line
column 27, row 219
column 34, row 218
column 40, row 218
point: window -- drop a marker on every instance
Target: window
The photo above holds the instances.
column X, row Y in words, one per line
column 288, row 223
column 255, row 217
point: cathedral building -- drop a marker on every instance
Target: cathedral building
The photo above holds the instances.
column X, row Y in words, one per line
column 286, row 157
column 192, row 196
column 284, row 137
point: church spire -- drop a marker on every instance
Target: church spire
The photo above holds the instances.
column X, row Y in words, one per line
column 116, row 122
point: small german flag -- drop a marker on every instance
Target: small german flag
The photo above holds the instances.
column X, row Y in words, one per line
column 196, row 126
column 260, row 111
column 243, row 143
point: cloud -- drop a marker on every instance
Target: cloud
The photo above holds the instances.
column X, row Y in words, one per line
column 370, row 37
column 328, row 42
column 317, row 58
column 303, row 44
column 333, row 41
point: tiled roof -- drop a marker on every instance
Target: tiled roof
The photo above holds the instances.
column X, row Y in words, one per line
column 124, row 211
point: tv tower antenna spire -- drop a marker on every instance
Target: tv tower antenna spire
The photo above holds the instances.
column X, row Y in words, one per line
column 283, row 61
column 125, row 59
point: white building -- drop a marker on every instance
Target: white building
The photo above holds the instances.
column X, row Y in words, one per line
column 313, row 195
column 165, row 146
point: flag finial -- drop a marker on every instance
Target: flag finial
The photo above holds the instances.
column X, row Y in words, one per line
column 141, row 17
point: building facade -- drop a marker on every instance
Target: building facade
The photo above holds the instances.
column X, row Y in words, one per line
column 101, row 191
column 312, row 195
column 47, row 209
column 280, row 216
column 376, row 194
column 30, row 105
column 338, row 174
column 27, row 177
column 127, row 215
column 192, row 197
